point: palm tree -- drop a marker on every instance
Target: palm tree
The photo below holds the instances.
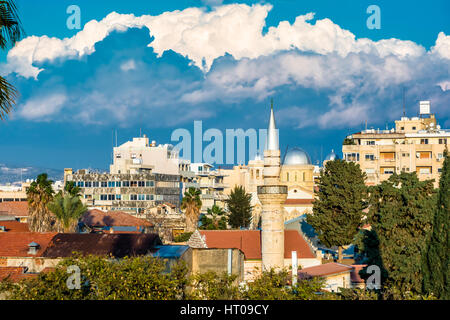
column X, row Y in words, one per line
column 10, row 32
column 39, row 194
column 192, row 204
column 215, row 219
column 67, row 209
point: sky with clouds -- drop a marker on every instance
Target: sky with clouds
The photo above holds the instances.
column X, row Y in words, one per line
column 155, row 66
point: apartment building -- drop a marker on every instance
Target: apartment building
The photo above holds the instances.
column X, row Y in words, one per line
column 131, row 193
column 416, row 144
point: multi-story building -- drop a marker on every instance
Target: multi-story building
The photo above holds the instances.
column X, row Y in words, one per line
column 211, row 184
column 416, row 144
column 129, row 192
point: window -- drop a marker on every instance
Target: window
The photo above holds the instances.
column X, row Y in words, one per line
column 95, row 184
column 141, row 183
column 405, row 169
column 443, row 141
column 387, row 170
column 370, row 157
column 88, row 184
column 141, row 197
column 80, row 184
column 423, row 141
column 149, row 183
column 414, row 128
column 402, row 128
column 103, row 184
column 111, row 197
column 133, row 155
column 370, row 171
column 133, row 183
column 405, row 155
column 370, row 143
column 133, row 196
column 126, row 183
column 111, row 184
column 287, row 176
column 387, row 155
column 118, row 156
column 439, row 170
column 424, row 170
column 118, row 184
column 103, row 197
column 351, row 156
column 149, row 197
column 118, row 197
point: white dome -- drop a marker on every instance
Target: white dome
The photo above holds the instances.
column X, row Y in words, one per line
column 296, row 156
column 332, row 156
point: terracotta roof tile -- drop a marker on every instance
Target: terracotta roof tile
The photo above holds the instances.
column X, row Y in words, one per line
column 15, row 244
column 15, row 273
column 324, row 270
column 14, row 226
column 14, row 208
column 249, row 241
column 98, row 218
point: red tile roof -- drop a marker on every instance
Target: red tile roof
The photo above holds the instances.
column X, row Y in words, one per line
column 298, row 201
column 15, row 244
column 15, row 273
column 15, row 226
column 98, row 218
column 14, row 208
column 324, row 270
column 249, row 242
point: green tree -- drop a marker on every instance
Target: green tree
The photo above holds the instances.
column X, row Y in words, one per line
column 72, row 189
column 214, row 220
column 139, row 278
column 191, row 204
column 68, row 209
column 39, row 195
column 436, row 258
column 400, row 214
column 10, row 32
column 338, row 208
column 239, row 207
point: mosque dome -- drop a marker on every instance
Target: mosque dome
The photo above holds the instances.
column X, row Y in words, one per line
column 296, row 156
column 332, row 156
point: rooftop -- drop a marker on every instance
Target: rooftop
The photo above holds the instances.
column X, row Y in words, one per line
column 14, row 226
column 117, row 245
column 324, row 270
column 98, row 218
column 14, row 208
column 249, row 242
column 15, row 244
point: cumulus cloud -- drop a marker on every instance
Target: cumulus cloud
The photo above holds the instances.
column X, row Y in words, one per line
column 203, row 36
column 359, row 77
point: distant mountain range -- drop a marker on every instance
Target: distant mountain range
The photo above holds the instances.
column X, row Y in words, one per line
column 15, row 174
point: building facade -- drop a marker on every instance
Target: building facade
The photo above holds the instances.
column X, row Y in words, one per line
column 415, row 145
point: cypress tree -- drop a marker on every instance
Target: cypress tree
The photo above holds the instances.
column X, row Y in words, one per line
column 338, row 208
column 239, row 207
column 436, row 260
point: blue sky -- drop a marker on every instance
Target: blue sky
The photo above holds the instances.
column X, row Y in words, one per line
column 174, row 62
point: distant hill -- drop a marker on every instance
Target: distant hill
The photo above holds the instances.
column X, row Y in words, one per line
column 10, row 174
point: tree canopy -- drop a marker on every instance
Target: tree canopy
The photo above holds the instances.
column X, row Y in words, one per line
column 239, row 208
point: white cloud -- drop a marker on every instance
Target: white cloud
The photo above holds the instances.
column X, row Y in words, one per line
column 42, row 108
column 203, row 36
column 128, row 65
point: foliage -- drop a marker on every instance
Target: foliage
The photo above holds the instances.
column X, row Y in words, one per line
column 72, row 189
column 39, row 195
column 436, row 259
column 214, row 220
column 338, row 208
column 357, row 294
column 10, row 32
column 183, row 237
column 192, row 205
column 401, row 212
column 141, row 278
column 348, row 141
column 213, row 286
column 239, row 207
column 67, row 209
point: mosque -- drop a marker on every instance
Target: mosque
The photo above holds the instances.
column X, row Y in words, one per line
column 297, row 173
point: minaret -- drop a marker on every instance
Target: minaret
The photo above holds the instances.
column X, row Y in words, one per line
column 272, row 196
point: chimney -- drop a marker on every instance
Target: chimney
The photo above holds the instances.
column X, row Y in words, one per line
column 33, row 248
